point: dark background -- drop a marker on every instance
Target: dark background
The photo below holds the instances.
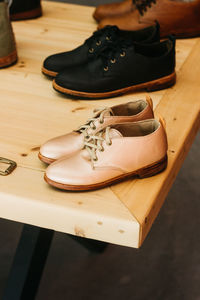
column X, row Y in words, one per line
column 167, row 267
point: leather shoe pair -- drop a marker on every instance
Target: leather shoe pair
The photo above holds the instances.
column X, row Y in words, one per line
column 109, row 148
column 94, row 45
column 179, row 18
column 68, row 144
column 123, row 66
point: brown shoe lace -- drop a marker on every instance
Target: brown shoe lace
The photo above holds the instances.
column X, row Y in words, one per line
column 142, row 5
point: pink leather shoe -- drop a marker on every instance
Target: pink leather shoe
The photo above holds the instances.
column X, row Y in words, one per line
column 68, row 144
column 114, row 153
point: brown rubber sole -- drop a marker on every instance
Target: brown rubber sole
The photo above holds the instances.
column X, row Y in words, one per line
column 148, row 171
column 8, row 60
column 45, row 159
column 31, row 14
column 49, row 73
column 158, row 84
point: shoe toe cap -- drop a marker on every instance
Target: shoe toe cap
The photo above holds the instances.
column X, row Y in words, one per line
column 64, row 172
column 53, row 63
column 62, row 146
column 49, row 151
column 99, row 13
column 74, row 78
column 54, row 148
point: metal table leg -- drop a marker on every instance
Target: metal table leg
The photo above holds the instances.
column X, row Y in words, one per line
column 93, row 246
column 30, row 259
column 28, row 263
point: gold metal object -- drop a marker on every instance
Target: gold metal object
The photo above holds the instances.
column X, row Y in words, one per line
column 123, row 54
column 12, row 165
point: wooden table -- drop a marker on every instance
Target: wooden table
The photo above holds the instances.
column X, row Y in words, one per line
column 32, row 112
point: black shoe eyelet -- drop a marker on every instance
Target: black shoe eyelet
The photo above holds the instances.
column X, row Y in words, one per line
column 108, row 38
column 98, row 43
column 106, row 69
column 91, row 50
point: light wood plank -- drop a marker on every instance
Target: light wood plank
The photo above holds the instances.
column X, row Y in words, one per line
column 180, row 107
column 33, row 113
column 25, row 197
column 32, row 94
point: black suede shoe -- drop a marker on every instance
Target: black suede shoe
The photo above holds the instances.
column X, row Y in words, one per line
column 94, row 45
column 25, row 9
column 121, row 68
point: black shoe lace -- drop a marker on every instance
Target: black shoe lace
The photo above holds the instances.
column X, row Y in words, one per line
column 142, row 5
column 109, row 33
column 114, row 52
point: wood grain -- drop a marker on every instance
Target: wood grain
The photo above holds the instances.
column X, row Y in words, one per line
column 25, row 197
column 180, row 107
column 32, row 112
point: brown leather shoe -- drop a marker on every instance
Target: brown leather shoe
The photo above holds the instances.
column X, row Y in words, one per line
column 112, row 9
column 181, row 19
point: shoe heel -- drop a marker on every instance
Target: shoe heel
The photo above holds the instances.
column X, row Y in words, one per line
column 162, row 83
column 153, row 169
column 8, row 60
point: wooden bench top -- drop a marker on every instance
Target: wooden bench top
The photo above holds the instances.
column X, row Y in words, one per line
column 32, row 112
